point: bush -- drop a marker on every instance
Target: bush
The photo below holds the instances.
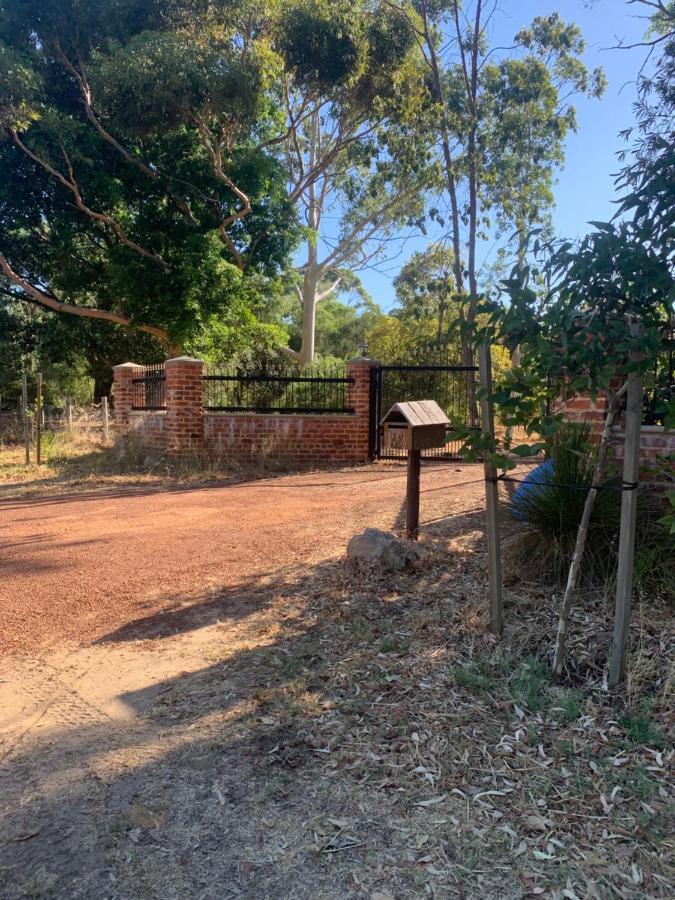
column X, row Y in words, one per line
column 550, row 503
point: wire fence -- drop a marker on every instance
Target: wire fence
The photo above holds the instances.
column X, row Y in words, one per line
column 68, row 418
column 278, row 389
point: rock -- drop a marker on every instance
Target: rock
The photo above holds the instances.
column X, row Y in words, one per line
column 383, row 549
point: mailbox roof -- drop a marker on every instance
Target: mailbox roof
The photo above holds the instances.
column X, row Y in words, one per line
column 419, row 413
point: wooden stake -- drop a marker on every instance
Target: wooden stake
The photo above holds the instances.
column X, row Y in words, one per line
column 104, row 413
column 580, row 543
column 38, row 421
column 69, row 413
column 629, row 499
column 491, row 496
column 24, row 403
column 412, row 506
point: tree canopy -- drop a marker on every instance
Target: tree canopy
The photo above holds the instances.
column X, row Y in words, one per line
column 138, row 181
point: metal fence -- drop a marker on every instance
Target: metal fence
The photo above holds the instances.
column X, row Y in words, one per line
column 148, row 389
column 449, row 385
column 661, row 388
column 284, row 390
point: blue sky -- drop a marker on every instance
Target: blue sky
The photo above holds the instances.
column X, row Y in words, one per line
column 585, row 189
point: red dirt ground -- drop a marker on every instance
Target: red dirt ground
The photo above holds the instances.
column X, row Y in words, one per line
column 76, row 567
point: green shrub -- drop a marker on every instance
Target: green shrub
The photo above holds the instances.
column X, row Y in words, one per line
column 552, row 505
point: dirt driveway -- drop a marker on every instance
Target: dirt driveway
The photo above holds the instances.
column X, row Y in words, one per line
column 199, row 701
column 142, row 634
column 77, row 567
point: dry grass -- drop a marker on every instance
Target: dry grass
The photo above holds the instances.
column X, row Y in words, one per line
column 82, row 459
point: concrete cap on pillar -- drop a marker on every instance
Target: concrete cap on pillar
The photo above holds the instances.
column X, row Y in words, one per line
column 363, row 360
column 183, row 360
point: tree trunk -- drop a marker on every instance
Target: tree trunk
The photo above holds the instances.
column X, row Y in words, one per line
column 447, row 157
column 580, row 545
column 102, row 387
column 308, row 333
column 311, row 275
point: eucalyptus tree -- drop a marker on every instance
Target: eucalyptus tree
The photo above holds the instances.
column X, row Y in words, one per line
column 500, row 116
column 425, row 288
column 352, row 89
column 138, row 185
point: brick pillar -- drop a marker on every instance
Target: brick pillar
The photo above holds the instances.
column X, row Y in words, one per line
column 359, row 399
column 123, row 393
column 184, row 391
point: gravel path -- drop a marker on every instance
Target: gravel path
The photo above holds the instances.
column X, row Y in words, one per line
column 78, row 567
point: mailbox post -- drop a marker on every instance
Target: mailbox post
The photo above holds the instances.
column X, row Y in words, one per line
column 414, row 426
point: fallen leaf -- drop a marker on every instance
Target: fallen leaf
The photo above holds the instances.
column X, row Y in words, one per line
column 538, row 823
column 432, row 802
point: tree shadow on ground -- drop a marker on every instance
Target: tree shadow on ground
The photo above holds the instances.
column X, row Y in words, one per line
column 319, row 749
column 218, row 787
column 222, row 605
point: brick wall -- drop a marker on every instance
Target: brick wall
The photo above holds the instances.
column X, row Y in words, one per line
column 655, row 441
column 245, row 437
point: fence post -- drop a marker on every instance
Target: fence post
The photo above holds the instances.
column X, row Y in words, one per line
column 629, row 499
column 491, row 495
column 360, row 400
column 69, row 413
column 184, row 399
column 38, row 421
column 24, row 404
column 123, row 390
column 104, row 415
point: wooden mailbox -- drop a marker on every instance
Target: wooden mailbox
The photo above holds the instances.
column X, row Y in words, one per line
column 414, row 427
column 417, row 425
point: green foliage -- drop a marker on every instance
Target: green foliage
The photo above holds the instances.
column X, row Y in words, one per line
column 393, row 338
column 640, row 727
column 136, row 176
column 476, row 676
column 425, row 288
column 572, row 315
column 528, row 684
column 198, row 76
column 19, row 85
column 669, row 519
column 322, row 43
column 553, row 508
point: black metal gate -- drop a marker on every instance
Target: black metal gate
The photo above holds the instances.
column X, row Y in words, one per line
column 449, row 386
